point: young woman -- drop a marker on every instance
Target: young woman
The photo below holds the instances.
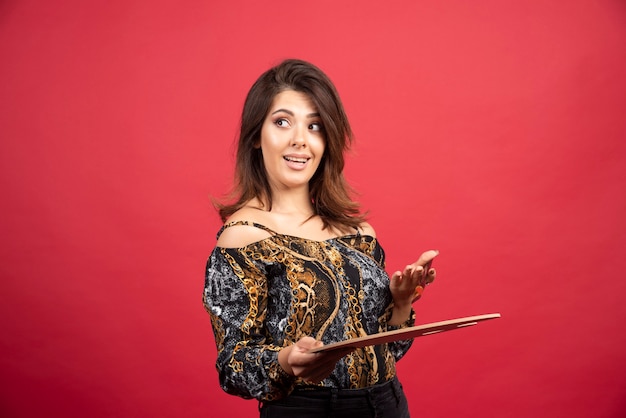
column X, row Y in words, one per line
column 296, row 266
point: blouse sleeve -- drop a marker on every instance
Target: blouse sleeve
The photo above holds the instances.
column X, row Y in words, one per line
column 235, row 295
column 397, row 348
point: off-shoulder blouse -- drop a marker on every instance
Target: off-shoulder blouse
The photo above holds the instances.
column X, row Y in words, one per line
column 269, row 294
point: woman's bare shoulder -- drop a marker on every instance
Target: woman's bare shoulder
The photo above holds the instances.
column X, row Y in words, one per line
column 238, row 235
column 367, row 229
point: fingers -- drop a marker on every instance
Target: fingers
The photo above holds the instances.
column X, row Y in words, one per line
column 425, row 261
column 313, row 367
column 430, row 277
column 421, row 268
column 410, row 272
column 301, row 352
column 411, row 276
column 324, row 365
column 413, row 272
column 410, row 282
column 426, row 257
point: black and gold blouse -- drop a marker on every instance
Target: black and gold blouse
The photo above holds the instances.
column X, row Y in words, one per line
column 269, row 294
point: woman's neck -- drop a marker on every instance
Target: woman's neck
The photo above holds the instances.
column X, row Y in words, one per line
column 291, row 202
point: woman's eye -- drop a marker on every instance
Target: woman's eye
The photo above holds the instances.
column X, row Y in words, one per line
column 281, row 123
column 315, row 126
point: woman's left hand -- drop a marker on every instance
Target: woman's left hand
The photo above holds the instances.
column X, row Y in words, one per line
column 408, row 285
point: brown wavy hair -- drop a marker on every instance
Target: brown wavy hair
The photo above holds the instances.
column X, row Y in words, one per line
column 330, row 193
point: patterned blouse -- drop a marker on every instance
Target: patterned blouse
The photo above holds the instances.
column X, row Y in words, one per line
column 269, row 294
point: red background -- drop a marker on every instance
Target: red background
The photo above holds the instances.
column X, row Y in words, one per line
column 493, row 131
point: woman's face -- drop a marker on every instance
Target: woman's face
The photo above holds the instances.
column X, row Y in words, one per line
column 292, row 141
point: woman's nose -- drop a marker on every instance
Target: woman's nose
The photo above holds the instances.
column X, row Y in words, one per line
column 299, row 137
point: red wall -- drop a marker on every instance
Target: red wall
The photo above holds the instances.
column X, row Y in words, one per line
column 493, row 131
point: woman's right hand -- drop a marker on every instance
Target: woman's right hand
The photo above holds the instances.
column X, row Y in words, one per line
column 298, row 361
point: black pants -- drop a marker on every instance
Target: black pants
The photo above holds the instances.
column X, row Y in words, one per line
column 386, row 400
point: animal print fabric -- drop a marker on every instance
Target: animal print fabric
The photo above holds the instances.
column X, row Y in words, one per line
column 269, row 294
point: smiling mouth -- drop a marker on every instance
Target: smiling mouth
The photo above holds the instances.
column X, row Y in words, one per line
column 296, row 160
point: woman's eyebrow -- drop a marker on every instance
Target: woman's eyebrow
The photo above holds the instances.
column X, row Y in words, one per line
column 289, row 112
